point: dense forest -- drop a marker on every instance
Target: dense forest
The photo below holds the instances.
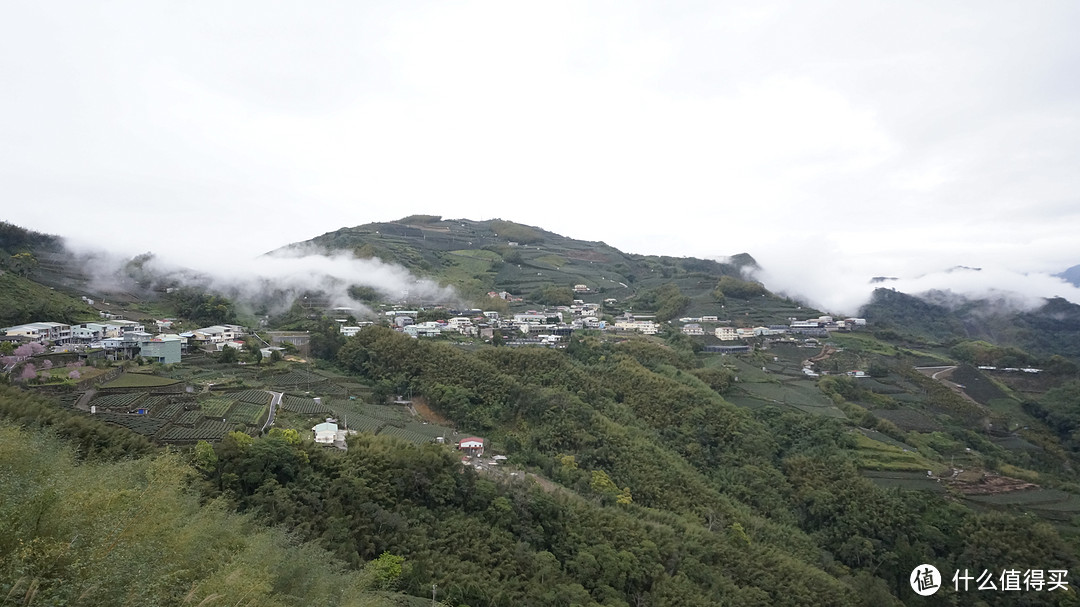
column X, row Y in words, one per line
column 643, row 486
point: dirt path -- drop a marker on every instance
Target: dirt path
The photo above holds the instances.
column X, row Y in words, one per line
column 826, row 352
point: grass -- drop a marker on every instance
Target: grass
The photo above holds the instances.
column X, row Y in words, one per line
column 552, row 261
column 139, row 380
column 22, row 300
column 862, row 342
column 478, row 254
column 878, row 455
column 60, row 374
column 908, row 419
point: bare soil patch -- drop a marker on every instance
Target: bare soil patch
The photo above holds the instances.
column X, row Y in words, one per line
column 420, row 405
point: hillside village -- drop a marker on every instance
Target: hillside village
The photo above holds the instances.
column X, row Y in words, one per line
column 37, row 350
column 120, row 339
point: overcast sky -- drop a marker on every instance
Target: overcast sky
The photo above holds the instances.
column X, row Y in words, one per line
column 834, row 141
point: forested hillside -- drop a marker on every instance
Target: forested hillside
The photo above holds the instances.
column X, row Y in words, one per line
column 665, row 494
column 135, row 532
column 642, row 470
column 27, row 301
column 1052, row 328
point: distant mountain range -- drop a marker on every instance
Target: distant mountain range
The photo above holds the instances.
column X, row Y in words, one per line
column 1072, row 275
column 478, row 257
column 941, row 317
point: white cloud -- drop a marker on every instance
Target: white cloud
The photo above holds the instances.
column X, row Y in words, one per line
column 894, row 138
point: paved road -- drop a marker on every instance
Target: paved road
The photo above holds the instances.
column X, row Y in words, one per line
column 945, row 370
column 937, row 370
column 274, row 404
column 84, row 401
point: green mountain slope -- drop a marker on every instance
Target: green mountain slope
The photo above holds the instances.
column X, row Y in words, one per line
column 22, row 300
column 1053, row 328
column 480, row 256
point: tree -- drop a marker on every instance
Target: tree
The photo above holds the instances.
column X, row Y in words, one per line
column 203, row 307
column 287, row 434
column 385, row 571
column 228, row 354
column 254, row 353
column 363, row 293
column 23, row 264
column 205, row 457
column 605, row 487
column 667, row 300
column 552, row 295
column 729, row 286
column 877, row 369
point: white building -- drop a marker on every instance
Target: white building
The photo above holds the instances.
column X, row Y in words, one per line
column 88, row 332
column 325, row 433
column 462, row 325
column 56, row 332
column 531, row 317
column 214, row 334
column 693, row 329
column 472, row 446
column 353, row 330
column 647, row 327
column 726, row 333
column 424, row 329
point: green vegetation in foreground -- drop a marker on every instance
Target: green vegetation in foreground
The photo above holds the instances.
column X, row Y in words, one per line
column 76, row 531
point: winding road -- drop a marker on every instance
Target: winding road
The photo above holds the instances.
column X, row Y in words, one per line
column 274, row 404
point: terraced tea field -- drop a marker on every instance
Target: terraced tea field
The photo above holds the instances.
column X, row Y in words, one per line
column 139, row 380
column 1051, row 504
column 914, row 481
column 304, row 405
column 118, row 401
column 258, row 397
column 139, row 424
column 248, row 414
column 207, row 431
column 798, row 394
column 216, row 406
